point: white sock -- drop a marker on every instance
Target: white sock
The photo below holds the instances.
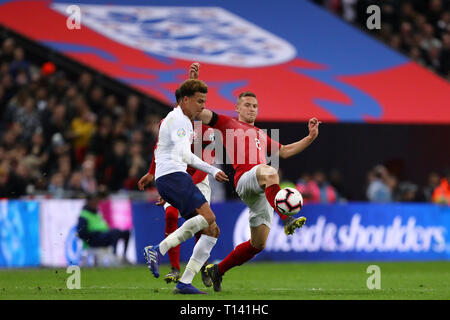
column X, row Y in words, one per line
column 183, row 233
column 199, row 256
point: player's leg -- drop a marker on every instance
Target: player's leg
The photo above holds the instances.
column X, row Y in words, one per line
column 179, row 190
column 269, row 180
column 174, row 253
column 206, row 240
column 190, row 200
column 246, row 250
column 202, row 220
column 260, row 219
column 205, row 188
column 241, row 254
column 205, row 278
column 200, row 255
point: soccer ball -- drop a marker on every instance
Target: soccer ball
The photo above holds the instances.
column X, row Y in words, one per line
column 288, row 201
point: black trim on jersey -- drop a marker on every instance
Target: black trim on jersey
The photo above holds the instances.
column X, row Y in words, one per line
column 214, row 119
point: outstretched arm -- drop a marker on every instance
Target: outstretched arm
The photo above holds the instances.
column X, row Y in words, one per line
column 184, row 150
column 206, row 115
column 289, row 150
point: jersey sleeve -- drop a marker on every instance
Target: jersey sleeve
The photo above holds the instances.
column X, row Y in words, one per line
column 181, row 135
column 222, row 120
column 153, row 164
column 180, row 132
column 273, row 146
column 198, row 176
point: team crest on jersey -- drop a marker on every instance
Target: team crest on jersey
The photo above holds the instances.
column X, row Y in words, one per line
column 205, row 34
column 258, row 144
column 181, row 132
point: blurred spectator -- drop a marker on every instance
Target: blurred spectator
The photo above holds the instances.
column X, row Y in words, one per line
column 434, row 11
column 444, row 57
column 337, row 182
column 56, row 123
column 407, row 192
column 82, row 128
column 416, row 28
column 433, row 58
column 59, row 85
column 320, row 189
column 134, row 111
column 85, row 83
column 120, row 129
column 428, row 38
column 19, row 65
column 416, row 55
column 49, row 138
column 36, row 156
column 11, row 185
column 10, row 136
column 348, row 10
column 7, row 52
column 111, row 108
column 64, row 165
column 441, row 194
column 100, row 145
column 57, row 148
column 56, row 186
column 443, row 25
column 285, row 183
column 426, row 192
column 95, row 99
column 28, row 118
column 75, row 184
column 302, row 186
column 88, row 179
column 381, row 185
column 151, row 129
column 138, row 167
column 37, row 148
column 117, row 170
column 23, row 171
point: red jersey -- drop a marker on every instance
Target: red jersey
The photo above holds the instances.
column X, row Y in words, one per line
column 245, row 144
column 205, row 137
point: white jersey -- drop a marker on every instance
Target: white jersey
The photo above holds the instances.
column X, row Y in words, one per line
column 173, row 151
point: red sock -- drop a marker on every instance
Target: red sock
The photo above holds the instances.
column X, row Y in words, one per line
column 171, row 226
column 271, row 192
column 242, row 253
column 197, row 236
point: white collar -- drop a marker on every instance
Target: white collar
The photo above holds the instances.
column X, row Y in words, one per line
column 178, row 109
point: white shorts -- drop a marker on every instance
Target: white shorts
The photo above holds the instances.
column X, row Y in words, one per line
column 204, row 187
column 248, row 189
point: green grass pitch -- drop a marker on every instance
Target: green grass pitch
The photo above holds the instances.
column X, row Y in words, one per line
column 252, row 281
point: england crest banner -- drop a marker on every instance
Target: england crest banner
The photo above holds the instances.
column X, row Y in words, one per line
column 299, row 59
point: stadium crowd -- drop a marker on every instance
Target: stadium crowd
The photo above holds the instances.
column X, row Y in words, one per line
column 63, row 137
column 419, row 29
column 67, row 136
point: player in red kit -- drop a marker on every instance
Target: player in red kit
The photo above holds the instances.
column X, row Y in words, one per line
column 256, row 182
